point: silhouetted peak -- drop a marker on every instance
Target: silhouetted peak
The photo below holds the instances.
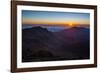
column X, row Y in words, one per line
column 78, row 28
column 37, row 28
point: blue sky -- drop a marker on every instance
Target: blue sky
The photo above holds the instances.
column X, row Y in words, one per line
column 50, row 17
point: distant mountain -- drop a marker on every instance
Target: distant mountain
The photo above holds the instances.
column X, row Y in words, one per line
column 75, row 33
column 49, row 28
column 39, row 44
column 76, row 40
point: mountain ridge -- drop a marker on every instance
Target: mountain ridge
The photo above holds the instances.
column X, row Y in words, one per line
column 59, row 45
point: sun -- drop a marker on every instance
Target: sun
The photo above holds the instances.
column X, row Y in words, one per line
column 72, row 24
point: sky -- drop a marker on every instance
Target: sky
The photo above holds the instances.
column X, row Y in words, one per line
column 54, row 18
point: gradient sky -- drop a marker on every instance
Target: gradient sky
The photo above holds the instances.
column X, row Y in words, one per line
column 54, row 18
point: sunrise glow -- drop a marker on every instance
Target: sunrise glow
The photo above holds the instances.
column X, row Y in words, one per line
column 72, row 24
column 50, row 18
